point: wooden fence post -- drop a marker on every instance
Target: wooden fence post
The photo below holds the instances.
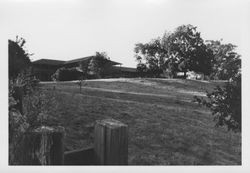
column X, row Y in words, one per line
column 111, row 142
column 44, row 146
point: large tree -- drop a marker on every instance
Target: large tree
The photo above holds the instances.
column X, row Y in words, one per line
column 187, row 50
column 182, row 50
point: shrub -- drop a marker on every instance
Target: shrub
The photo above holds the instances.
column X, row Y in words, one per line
column 29, row 107
column 67, row 74
column 18, row 57
column 225, row 104
column 17, row 124
column 38, row 109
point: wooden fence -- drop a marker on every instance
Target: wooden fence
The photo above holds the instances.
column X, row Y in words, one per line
column 45, row 146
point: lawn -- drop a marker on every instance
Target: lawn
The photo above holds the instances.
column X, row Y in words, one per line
column 165, row 126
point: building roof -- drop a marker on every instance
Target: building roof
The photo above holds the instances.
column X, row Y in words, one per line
column 57, row 62
column 87, row 58
column 49, row 62
column 114, row 63
column 78, row 60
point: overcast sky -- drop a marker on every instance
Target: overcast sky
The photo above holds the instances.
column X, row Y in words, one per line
column 69, row 29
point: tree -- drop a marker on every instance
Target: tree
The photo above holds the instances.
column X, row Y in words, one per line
column 18, row 58
column 225, row 101
column 84, row 66
column 150, row 57
column 226, row 62
column 187, row 50
column 97, row 64
column 181, row 51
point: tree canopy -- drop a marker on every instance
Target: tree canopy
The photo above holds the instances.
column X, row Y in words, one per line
column 19, row 59
column 180, row 51
column 189, row 50
column 151, row 57
column 226, row 63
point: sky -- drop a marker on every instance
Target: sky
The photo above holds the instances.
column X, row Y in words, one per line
column 69, row 29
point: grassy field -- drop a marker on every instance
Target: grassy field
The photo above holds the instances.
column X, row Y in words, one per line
column 165, row 126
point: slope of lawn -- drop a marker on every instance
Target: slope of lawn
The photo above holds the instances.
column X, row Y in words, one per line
column 165, row 126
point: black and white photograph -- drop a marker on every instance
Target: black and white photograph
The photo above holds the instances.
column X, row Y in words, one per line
column 121, row 83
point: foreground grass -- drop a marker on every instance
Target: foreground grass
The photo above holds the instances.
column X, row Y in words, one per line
column 165, row 126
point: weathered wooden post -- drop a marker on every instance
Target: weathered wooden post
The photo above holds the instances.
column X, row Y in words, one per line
column 44, row 146
column 111, row 142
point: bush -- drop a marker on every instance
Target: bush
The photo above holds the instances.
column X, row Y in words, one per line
column 29, row 107
column 38, row 109
column 225, row 104
column 18, row 57
column 17, row 122
column 67, row 74
column 17, row 126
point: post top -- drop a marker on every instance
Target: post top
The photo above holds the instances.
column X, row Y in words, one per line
column 111, row 123
column 49, row 129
